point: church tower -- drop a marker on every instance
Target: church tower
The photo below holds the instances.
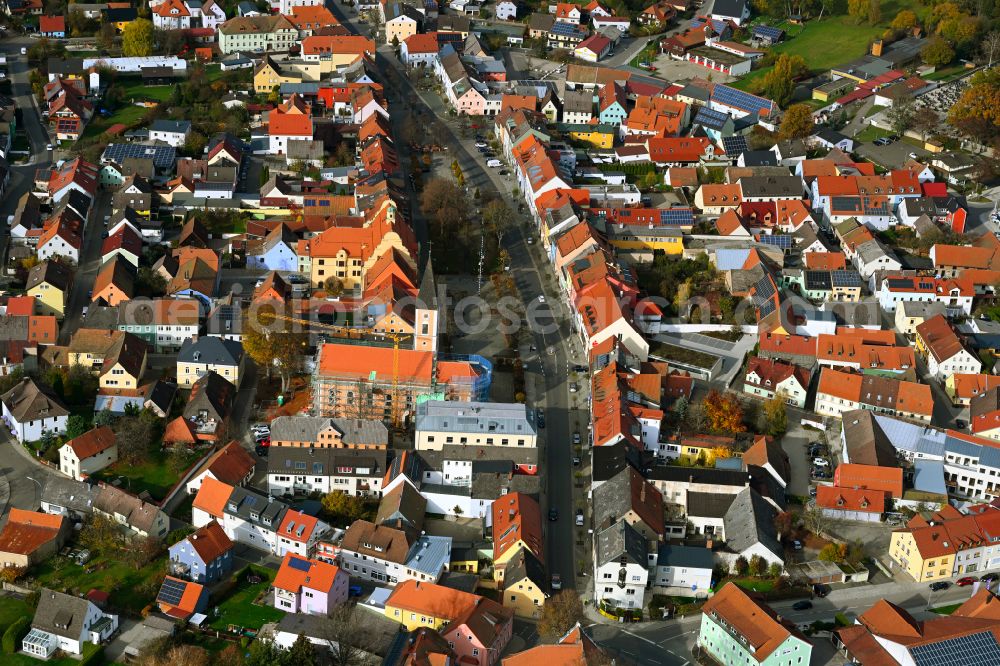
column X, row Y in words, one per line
column 427, row 316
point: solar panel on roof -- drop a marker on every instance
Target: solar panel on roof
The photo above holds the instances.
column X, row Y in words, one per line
column 818, row 280
column 679, row 217
column 171, row 592
column 300, row 565
column 980, row 649
column 783, row 242
column 768, row 32
column 899, row 283
column 163, row 156
column 735, row 145
column 561, row 28
column 845, row 278
column 738, row 99
column 710, row 118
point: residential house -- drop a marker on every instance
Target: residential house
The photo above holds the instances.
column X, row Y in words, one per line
column 49, row 283
column 30, row 537
column 387, row 555
column 296, row 471
column 31, row 410
column 911, row 314
column 401, row 21
column 138, row 518
column 516, row 525
column 839, row 392
column 115, row 282
column 440, row 422
column 855, row 504
column 984, row 414
column 303, row 585
column 232, row 464
column 942, row 350
column 61, row 239
column 629, row 498
column 766, row 379
column 276, row 252
column 65, row 622
column 887, row 634
column 621, row 566
column 964, row 387
column 478, row 629
column 88, row 453
column 171, row 132
column 52, row 26
column 206, row 416
column 181, row 599
column 736, row 628
column 207, row 354
column 315, row 432
column 684, row 567
column 525, row 586
column 204, row 556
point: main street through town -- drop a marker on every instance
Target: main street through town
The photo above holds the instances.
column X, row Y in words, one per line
column 557, row 347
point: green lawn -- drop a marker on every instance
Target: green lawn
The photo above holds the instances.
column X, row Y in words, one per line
column 126, row 115
column 946, row 73
column 946, row 610
column 752, row 584
column 153, row 475
column 137, row 91
column 239, row 609
column 11, row 608
column 823, row 44
column 130, row 589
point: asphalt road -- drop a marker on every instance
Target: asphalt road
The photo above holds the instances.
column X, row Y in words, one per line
column 22, row 176
column 551, row 330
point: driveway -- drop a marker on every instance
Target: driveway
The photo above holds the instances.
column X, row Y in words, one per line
column 795, row 444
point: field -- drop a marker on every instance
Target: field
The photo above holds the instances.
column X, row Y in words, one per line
column 823, row 44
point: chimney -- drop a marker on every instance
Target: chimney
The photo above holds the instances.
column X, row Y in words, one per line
column 877, row 48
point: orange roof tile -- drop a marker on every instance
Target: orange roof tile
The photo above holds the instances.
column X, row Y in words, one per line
column 851, row 499
column 426, row 42
column 212, row 496
column 210, row 541
column 339, row 44
column 873, row 477
column 825, row 261
column 432, row 600
column 939, row 338
column 231, row 464
column 92, row 442
column 297, row 526
column 516, row 518
column 753, row 620
column 968, row 386
column 26, row 531
column 20, row 306
column 307, row 573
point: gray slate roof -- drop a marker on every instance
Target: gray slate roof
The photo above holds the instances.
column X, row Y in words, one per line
column 243, row 502
column 750, row 520
column 60, row 614
column 474, row 417
column 307, row 429
column 620, row 539
column 684, row 556
column 73, row 495
column 708, row 505
column 212, row 351
column 363, row 463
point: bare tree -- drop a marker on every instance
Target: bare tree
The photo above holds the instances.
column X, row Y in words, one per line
column 990, row 47
column 353, row 642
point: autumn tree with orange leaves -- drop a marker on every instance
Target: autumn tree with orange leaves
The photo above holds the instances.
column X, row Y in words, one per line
column 724, row 412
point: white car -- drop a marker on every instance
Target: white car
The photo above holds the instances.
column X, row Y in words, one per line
column 541, row 298
column 481, row 144
column 821, row 462
column 49, row 147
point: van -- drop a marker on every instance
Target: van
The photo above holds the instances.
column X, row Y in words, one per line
column 494, row 163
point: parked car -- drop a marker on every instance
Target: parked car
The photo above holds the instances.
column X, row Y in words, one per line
column 556, row 582
column 261, row 451
column 965, row 581
column 260, row 427
column 802, row 605
column 553, row 514
column 881, row 142
column 265, row 443
column 940, row 585
column 821, row 590
column 796, row 544
column 989, row 578
column 579, row 517
column 541, row 298
column 821, row 462
column 574, row 387
column 960, row 424
column 576, row 461
column 482, row 144
column 580, row 368
column 576, row 438
column 812, row 491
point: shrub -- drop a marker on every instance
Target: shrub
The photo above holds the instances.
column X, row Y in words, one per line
column 15, row 632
